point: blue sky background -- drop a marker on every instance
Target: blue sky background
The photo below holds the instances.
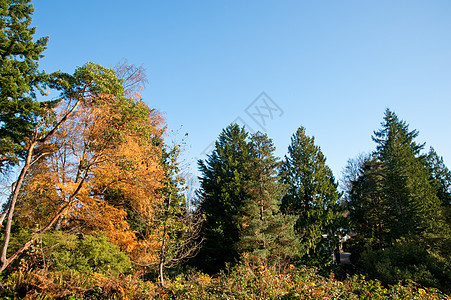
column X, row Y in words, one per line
column 331, row 66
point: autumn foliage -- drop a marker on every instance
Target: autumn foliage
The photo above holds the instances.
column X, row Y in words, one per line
column 114, row 144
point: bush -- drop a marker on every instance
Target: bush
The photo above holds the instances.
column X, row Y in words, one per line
column 407, row 262
column 92, row 253
column 71, row 285
column 60, row 251
column 248, row 281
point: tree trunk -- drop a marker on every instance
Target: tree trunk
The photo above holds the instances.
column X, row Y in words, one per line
column 160, row 271
column 4, row 261
column 12, row 203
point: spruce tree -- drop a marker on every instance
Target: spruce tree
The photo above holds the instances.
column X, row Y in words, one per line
column 312, row 196
column 221, row 197
column 20, row 80
column 265, row 232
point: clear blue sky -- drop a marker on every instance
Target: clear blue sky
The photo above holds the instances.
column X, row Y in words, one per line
column 331, row 66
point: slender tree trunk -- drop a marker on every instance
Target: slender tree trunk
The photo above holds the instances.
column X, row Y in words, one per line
column 8, row 205
column 163, row 245
column 4, row 261
column 58, row 223
column 12, row 203
column 162, row 257
column 161, row 264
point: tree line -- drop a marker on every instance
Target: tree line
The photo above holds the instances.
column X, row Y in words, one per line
column 395, row 205
column 95, row 175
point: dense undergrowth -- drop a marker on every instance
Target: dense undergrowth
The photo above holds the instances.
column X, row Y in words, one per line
column 244, row 281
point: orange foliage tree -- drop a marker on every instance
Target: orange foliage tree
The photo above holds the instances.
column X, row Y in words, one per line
column 94, row 164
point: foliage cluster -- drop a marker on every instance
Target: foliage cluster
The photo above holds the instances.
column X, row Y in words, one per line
column 243, row 281
column 59, row 251
column 249, row 281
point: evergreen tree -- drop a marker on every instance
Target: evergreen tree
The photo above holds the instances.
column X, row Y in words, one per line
column 222, row 194
column 367, row 206
column 440, row 177
column 265, row 233
column 311, row 195
column 395, row 209
column 413, row 205
column 20, row 79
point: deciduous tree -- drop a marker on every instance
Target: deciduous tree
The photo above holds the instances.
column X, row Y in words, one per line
column 89, row 84
column 178, row 228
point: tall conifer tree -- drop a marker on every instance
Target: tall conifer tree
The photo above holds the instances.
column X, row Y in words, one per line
column 222, row 194
column 265, row 232
column 20, row 79
column 396, row 210
column 413, row 205
column 440, row 177
column 311, row 195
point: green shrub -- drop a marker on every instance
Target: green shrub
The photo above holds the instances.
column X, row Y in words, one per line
column 92, row 253
column 60, row 251
column 406, row 261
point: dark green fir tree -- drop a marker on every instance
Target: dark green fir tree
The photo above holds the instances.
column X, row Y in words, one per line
column 222, row 195
column 367, row 206
column 440, row 177
column 414, row 208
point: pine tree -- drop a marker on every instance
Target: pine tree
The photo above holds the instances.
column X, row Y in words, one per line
column 222, row 194
column 20, row 79
column 265, row 232
column 311, row 195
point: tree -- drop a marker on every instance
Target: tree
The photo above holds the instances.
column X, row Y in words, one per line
column 367, row 206
column 90, row 86
column 265, row 232
column 120, row 138
column 20, row 80
column 414, row 208
column 311, row 195
column 351, row 172
column 222, row 194
column 177, row 227
column 440, row 177
column 394, row 207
